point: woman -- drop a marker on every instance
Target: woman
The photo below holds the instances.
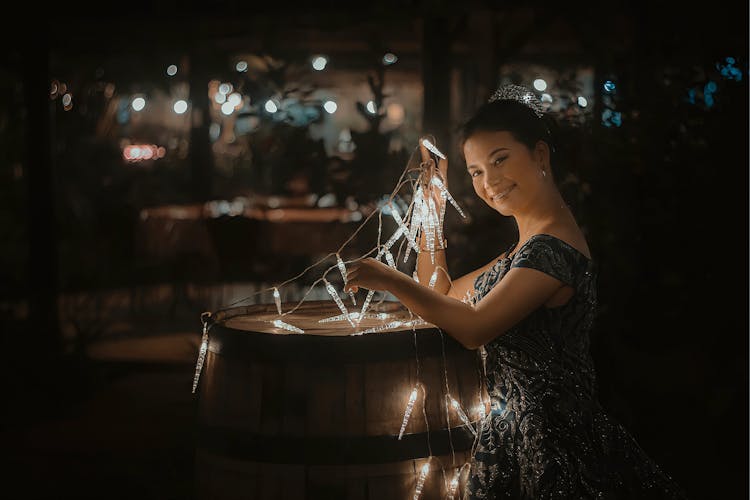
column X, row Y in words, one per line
column 546, row 435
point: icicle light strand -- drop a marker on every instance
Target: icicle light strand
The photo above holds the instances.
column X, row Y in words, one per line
column 462, row 415
column 420, row 481
column 432, row 149
column 342, row 270
column 286, row 326
column 277, row 299
column 201, row 357
column 407, row 412
column 335, row 296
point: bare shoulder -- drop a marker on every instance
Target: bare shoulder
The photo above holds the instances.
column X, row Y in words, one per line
column 572, row 235
column 460, row 286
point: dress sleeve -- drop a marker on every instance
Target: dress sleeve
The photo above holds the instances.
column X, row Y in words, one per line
column 548, row 256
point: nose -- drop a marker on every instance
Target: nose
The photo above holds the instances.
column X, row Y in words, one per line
column 490, row 180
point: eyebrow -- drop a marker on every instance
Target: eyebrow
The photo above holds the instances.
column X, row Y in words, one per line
column 488, row 156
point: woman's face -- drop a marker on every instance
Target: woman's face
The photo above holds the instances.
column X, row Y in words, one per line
column 505, row 173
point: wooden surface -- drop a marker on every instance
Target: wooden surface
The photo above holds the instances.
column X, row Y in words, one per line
column 282, row 413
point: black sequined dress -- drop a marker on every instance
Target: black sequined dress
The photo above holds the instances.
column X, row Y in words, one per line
column 547, row 437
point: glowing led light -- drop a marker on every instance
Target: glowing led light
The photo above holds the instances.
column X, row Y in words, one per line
column 401, row 225
column 330, row 107
column 453, row 485
column 389, row 58
column 433, row 149
column 388, row 244
column 286, row 326
column 546, row 97
column 319, row 63
column 235, row 99
column 271, row 106
column 407, row 412
column 171, row 70
column 371, row 107
column 225, row 88
column 342, row 270
column 201, row 357
column 582, row 101
column 335, row 296
column 389, row 258
column 540, row 85
column 609, row 86
column 365, row 305
column 437, row 182
column 241, row 66
column 277, row 299
column 462, row 415
column 180, row 107
column 138, row 103
column 420, row 481
column 433, row 278
column 227, row 108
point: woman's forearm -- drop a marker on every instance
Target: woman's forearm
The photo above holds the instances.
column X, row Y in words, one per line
column 451, row 315
column 425, row 267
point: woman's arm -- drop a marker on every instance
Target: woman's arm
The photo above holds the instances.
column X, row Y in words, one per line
column 519, row 293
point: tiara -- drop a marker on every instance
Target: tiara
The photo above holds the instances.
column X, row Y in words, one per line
column 520, row 94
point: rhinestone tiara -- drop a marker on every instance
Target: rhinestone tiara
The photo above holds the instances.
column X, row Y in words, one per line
column 518, row 93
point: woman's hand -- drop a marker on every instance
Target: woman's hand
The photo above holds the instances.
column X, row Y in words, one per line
column 371, row 274
column 430, row 170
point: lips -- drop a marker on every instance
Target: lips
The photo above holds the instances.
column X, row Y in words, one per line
column 502, row 194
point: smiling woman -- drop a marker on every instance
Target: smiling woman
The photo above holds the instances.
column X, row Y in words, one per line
column 530, row 314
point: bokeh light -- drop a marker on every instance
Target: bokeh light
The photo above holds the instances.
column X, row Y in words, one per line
column 330, row 107
column 271, row 106
column 171, row 70
column 389, row 58
column 540, row 85
column 227, row 108
column 180, row 106
column 319, row 63
column 582, row 101
column 371, row 107
column 138, row 103
column 241, row 66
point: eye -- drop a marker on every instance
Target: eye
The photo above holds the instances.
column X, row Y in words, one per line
column 499, row 160
column 474, row 173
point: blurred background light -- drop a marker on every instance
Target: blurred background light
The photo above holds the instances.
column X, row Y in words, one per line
column 319, row 63
column 371, row 107
column 138, row 103
column 582, row 101
column 540, row 85
column 330, row 107
column 389, row 58
column 171, row 70
column 235, row 99
column 241, row 66
column 180, row 106
column 271, row 106
column 227, row 108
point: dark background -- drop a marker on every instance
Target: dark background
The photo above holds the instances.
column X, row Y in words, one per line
column 662, row 199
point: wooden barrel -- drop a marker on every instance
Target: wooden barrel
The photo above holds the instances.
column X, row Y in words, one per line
column 317, row 415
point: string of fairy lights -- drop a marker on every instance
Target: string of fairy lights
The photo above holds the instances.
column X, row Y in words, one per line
column 422, row 218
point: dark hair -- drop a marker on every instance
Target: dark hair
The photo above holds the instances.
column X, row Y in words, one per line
column 514, row 117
